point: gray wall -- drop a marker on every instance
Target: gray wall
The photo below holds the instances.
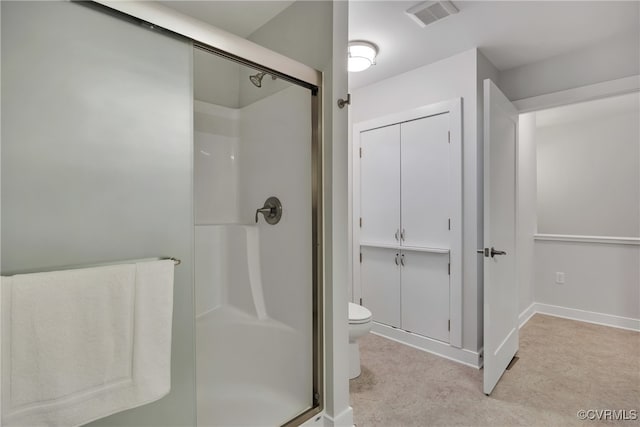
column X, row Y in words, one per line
column 588, row 183
column 590, row 186
column 526, row 209
column 97, row 159
column 588, row 175
column 600, row 278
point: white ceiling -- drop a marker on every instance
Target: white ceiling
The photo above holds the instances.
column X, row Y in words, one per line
column 509, row 33
column 240, row 17
column 588, row 111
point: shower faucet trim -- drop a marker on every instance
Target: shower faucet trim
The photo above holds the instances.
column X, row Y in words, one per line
column 272, row 210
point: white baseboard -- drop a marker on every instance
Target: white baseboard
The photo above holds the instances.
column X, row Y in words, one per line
column 527, row 314
column 439, row 348
column 580, row 315
column 344, row 419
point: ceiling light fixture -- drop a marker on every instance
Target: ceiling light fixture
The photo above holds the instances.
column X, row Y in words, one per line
column 362, row 55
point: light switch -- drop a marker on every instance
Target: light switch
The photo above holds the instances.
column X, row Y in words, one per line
column 559, row 277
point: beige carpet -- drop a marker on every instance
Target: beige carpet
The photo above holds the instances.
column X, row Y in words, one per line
column 564, row 366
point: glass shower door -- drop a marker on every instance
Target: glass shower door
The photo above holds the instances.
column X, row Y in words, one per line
column 256, row 293
column 97, row 162
column 99, row 165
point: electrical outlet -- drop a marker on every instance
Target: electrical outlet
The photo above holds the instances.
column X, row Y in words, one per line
column 559, row 277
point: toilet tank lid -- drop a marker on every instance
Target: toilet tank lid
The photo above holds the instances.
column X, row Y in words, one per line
column 358, row 313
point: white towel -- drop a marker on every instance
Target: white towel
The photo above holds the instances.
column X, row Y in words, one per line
column 78, row 345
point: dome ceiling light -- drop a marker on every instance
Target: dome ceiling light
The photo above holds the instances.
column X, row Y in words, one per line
column 362, row 55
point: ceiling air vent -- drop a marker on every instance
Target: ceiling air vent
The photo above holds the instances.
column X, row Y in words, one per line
column 431, row 11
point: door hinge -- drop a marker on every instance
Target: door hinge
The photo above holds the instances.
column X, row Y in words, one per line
column 360, row 222
column 449, row 269
column 449, row 325
column 449, row 223
column 360, row 152
column 449, row 137
column 360, row 301
column 360, row 257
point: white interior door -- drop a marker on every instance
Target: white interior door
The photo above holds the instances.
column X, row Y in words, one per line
column 425, row 189
column 380, row 185
column 500, row 286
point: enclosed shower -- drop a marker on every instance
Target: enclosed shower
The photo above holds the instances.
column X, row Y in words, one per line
column 254, row 245
column 126, row 139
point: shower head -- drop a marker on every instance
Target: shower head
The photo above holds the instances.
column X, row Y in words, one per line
column 257, row 79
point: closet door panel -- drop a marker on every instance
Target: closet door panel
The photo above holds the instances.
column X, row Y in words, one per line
column 380, row 185
column 425, row 294
column 380, row 277
column 425, row 182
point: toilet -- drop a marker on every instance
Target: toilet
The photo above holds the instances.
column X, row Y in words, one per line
column 359, row 326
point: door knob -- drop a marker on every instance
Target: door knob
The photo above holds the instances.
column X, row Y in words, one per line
column 495, row 252
column 490, row 252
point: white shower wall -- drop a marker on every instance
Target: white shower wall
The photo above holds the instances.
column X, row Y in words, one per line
column 275, row 160
column 216, row 139
column 253, row 280
column 243, row 156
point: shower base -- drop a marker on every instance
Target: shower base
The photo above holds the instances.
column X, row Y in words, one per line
column 249, row 371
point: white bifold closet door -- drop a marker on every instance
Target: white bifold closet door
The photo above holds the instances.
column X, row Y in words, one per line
column 380, row 188
column 425, row 191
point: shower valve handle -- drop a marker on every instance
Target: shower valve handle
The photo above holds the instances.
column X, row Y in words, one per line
column 272, row 211
column 264, row 211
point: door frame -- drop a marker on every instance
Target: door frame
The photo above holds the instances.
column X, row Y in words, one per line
column 454, row 107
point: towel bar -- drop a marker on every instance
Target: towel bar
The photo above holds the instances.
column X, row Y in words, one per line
column 176, row 262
